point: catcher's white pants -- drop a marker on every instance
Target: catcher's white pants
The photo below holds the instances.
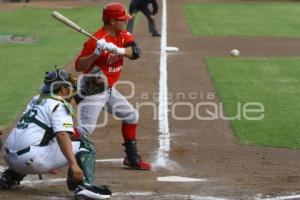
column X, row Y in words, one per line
column 39, row 159
column 113, row 101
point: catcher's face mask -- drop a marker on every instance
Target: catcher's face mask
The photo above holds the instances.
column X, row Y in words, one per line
column 54, row 80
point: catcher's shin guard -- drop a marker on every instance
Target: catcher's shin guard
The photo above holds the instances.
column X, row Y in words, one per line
column 86, row 161
column 133, row 159
column 10, row 179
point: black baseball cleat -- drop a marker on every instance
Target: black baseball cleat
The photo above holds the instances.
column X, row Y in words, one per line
column 133, row 159
column 156, row 34
column 140, row 165
column 92, row 192
column 10, row 179
column 7, row 183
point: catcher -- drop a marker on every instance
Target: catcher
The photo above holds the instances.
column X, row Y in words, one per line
column 41, row 141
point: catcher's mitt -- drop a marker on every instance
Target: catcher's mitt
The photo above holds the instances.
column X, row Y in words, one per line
column 94, row 83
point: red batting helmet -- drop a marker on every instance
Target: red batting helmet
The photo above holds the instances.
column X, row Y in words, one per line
column 115, row 11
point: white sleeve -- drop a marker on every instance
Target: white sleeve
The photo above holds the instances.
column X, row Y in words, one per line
column 61, row 120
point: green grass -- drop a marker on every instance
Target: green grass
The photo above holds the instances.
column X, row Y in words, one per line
column 273, row 82
column 22, row 66
column 243, row 19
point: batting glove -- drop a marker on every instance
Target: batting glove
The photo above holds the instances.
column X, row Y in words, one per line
column 110, row 47
column 100, row 46
column 114, row 49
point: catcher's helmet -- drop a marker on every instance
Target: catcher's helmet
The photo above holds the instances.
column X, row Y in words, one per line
column 115, row 11
column 55, row 79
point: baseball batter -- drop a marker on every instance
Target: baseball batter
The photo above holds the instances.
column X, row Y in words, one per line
column 41, row 141
column 101, row 61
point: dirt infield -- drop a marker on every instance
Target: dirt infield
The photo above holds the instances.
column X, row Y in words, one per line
column 201, row 149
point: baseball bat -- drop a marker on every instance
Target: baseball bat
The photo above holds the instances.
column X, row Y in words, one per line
column 71, row 24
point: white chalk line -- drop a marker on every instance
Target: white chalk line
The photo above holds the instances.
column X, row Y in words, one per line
column 44, row 181
column 181, row 196
column 164, row 137
column 178, row 179
column 111, row 160
column 133, row 193
column 281, row 197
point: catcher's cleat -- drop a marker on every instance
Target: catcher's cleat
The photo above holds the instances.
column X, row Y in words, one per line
column 10, row 179
column 133, row 159
column 92, row 192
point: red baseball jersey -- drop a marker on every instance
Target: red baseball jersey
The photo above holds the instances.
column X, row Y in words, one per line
column 109, row 63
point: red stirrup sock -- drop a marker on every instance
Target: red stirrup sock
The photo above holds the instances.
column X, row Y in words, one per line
column 129, row 131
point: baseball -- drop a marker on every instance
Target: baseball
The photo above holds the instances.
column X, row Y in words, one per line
column 234, row 52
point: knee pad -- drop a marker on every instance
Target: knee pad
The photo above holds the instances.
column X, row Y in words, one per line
column 88, row 145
